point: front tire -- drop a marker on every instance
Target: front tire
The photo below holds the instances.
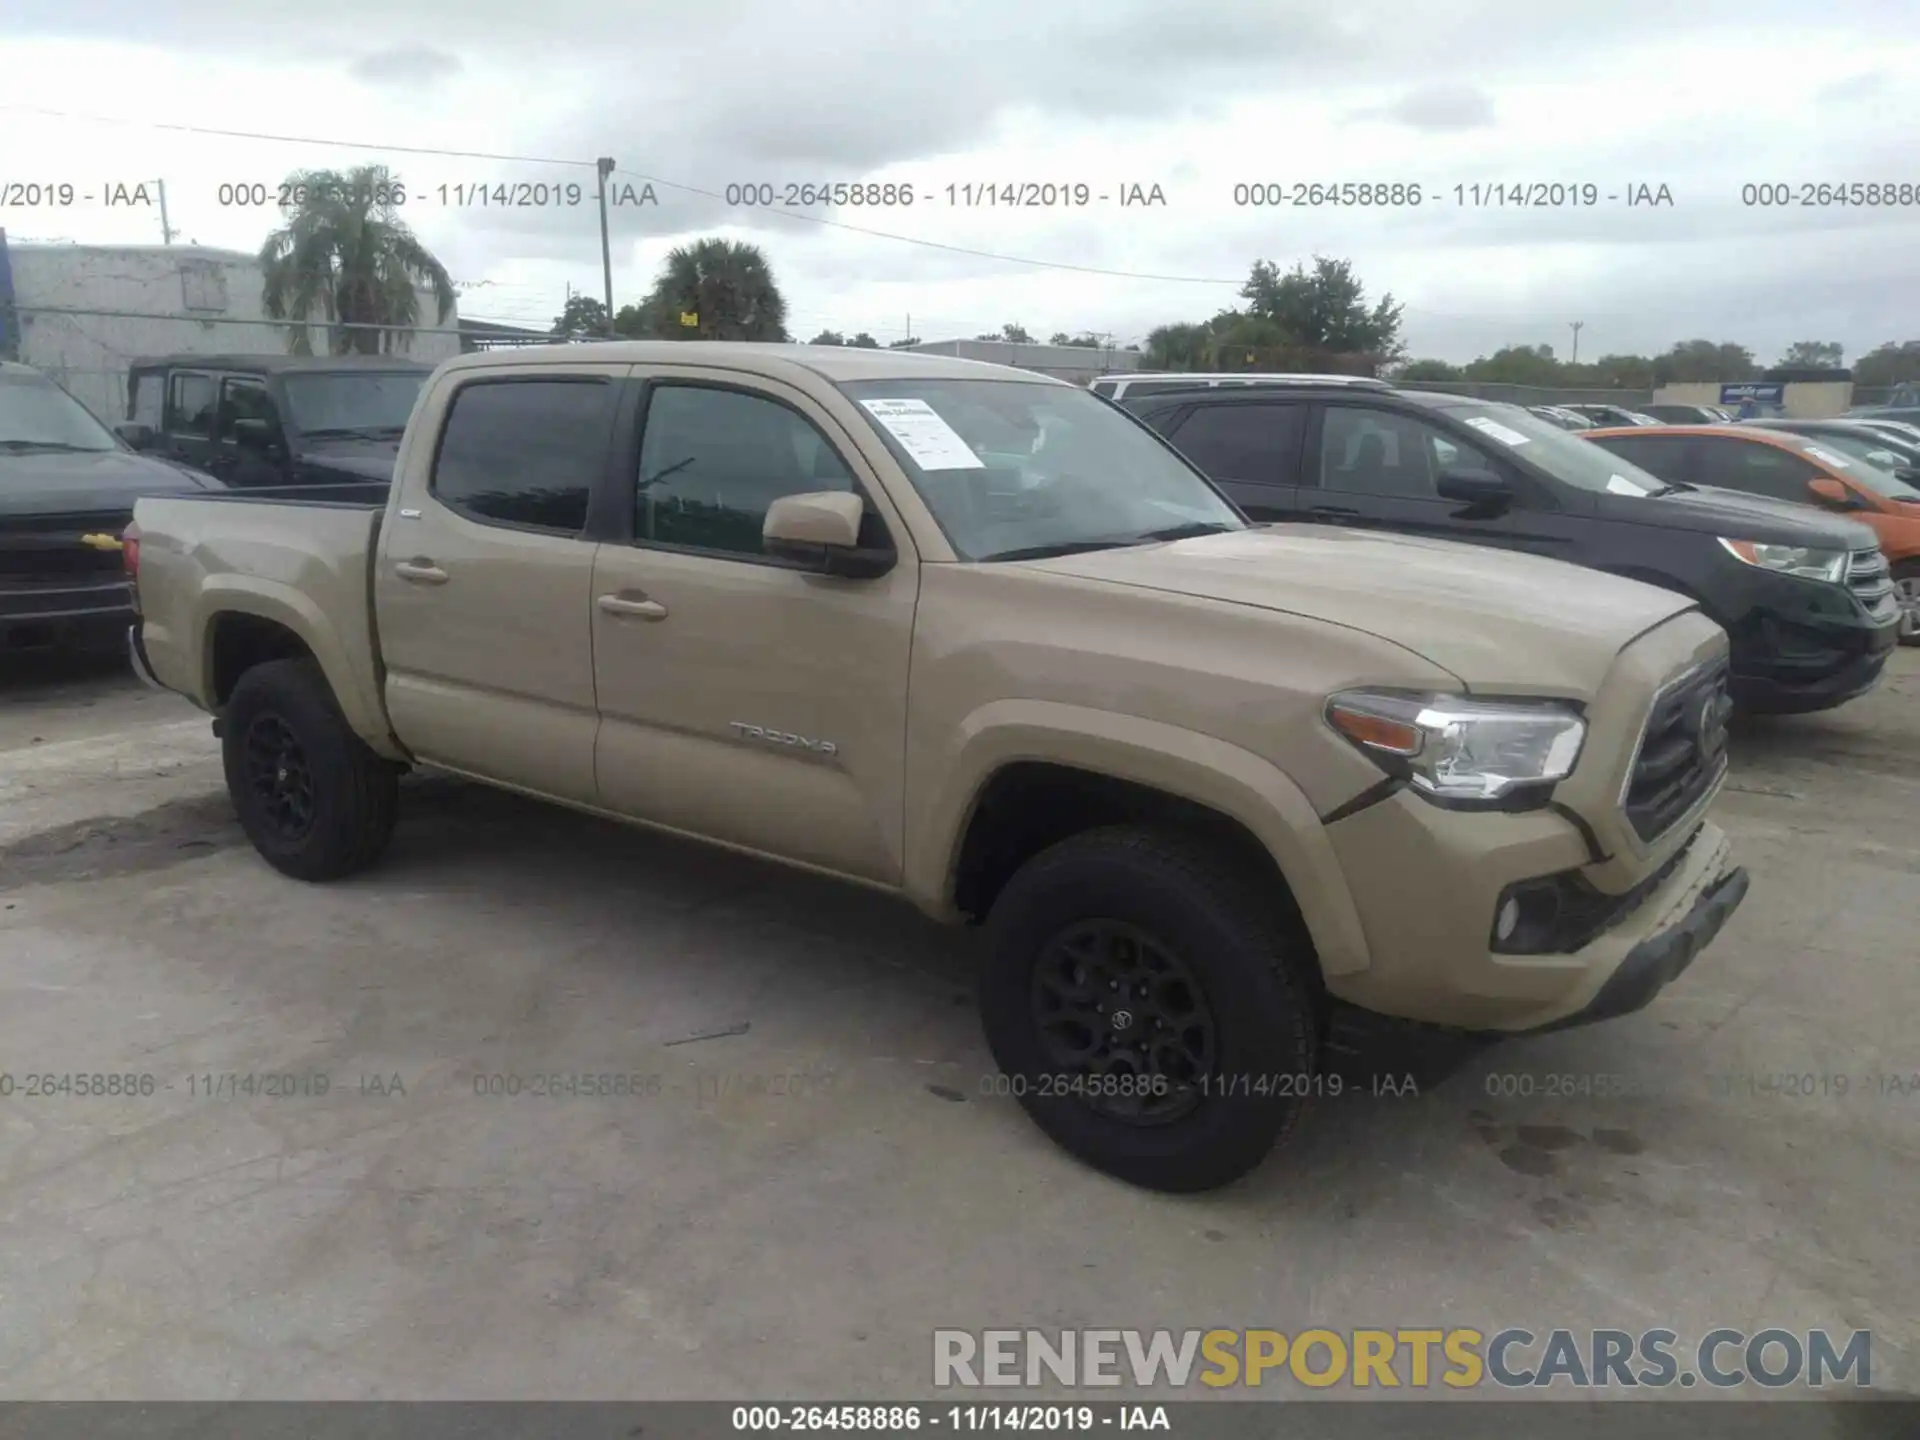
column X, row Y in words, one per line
column 314, row 800
column 1147, row 1002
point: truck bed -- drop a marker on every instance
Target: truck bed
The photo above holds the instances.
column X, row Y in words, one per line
column 302, row 563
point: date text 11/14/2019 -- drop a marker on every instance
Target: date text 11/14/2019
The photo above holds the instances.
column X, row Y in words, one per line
column 1480, row 195
column 460, row 195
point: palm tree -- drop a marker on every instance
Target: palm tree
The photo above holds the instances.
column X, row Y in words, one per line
column 727, row 285
column 345, row 250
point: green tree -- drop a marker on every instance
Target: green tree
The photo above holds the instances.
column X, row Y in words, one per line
column 344, row 250
column 1888, row 364
column 863, row 341
column 903, row 344
column 725, row 285
column 1625, row 372
column 1813, row 355
column 635, row 322
column 582, row 316
column 1012, row 334
column 1696, row 361
column 1517, row 365
column 1416, row 370
column 1325, row 309
column 1179, row 347
column 827, row 337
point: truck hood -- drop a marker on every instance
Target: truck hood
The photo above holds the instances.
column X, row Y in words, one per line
column 1740, row 516
column 99, row 481
column 1504, row 623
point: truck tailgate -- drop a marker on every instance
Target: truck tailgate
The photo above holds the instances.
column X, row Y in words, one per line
column 306, row 566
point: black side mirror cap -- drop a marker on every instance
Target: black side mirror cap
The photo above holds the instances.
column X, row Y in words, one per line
column 138, row 435
column 1474, row 487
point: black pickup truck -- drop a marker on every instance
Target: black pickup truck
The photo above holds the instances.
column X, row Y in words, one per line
column 67, row 489
column 277, row 421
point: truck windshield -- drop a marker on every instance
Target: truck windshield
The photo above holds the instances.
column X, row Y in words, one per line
column 1015, row 470
column 38, row 416
column 1563, row 454
column 346, row 402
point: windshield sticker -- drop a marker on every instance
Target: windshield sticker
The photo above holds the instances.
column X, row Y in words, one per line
column 929, row 440
column 1496, row 430
column 1826, row 457
column 1620, row 485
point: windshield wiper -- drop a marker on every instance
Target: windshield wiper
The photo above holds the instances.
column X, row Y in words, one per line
column 1190, row 530
column 21, row 447
column 360, row 432
column 1063, row 547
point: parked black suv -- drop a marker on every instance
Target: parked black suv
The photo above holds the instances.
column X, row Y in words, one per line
column 1774, row 575
column 277, row 420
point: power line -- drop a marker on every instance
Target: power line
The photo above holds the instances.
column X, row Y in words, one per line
column 632, row 175
column 511, row 159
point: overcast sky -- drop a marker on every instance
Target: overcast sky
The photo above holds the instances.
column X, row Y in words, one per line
column 1194, row 97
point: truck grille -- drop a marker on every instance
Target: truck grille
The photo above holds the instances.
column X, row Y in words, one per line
column 1682, row 752
column 40, row 546
column 1872, row 583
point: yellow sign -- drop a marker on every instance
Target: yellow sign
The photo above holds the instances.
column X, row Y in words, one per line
column 102, row 542
column 689, row 319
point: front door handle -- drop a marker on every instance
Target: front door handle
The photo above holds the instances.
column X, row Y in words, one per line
column 421, row 572
column 622, row 605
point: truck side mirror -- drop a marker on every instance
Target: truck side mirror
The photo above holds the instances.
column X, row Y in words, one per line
column 821, row 531
column 1833, row 494
column 1480, row 489
column 138, row 435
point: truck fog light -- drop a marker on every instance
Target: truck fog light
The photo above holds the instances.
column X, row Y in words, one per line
column 1508, row 919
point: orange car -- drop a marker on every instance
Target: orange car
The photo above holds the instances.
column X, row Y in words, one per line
column 1785, row 466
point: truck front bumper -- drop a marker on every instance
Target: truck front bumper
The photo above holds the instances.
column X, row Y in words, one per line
column 1428, row 884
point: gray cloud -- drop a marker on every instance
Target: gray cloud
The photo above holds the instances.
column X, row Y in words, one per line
column 1439, row 107
column 821, row 90
column 406, row 65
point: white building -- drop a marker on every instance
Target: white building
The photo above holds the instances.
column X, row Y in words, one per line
column 84, row 312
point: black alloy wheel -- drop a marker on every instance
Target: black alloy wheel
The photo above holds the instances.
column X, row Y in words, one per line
column 1116, row 1006
column 278, row 772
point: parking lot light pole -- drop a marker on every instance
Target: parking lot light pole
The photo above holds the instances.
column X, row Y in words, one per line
column 605, row 167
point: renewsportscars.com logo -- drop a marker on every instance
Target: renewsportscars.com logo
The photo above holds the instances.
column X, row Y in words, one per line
column 1458, row 1359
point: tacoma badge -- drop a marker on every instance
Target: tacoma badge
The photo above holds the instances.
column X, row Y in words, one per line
column 782, row 737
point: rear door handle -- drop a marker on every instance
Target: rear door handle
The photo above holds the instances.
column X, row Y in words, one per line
column 622, row 605
column 421, row 572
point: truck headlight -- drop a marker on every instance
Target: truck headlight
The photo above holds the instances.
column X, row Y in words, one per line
column 1808, row 564
column 1452, row 749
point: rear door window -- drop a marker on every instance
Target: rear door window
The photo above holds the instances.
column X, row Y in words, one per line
column 525, row 452
column 1256, row 444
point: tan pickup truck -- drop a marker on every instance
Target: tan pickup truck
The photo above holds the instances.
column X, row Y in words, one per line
column 978, row 638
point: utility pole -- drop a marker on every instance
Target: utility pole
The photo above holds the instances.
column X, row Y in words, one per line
column 605, row 166
column 1574, row 325
column 909, row 325
column 166, row 230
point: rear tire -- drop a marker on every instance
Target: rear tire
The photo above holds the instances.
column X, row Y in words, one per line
column 1906, row 579
column 1205, row 986
column 314, row 800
